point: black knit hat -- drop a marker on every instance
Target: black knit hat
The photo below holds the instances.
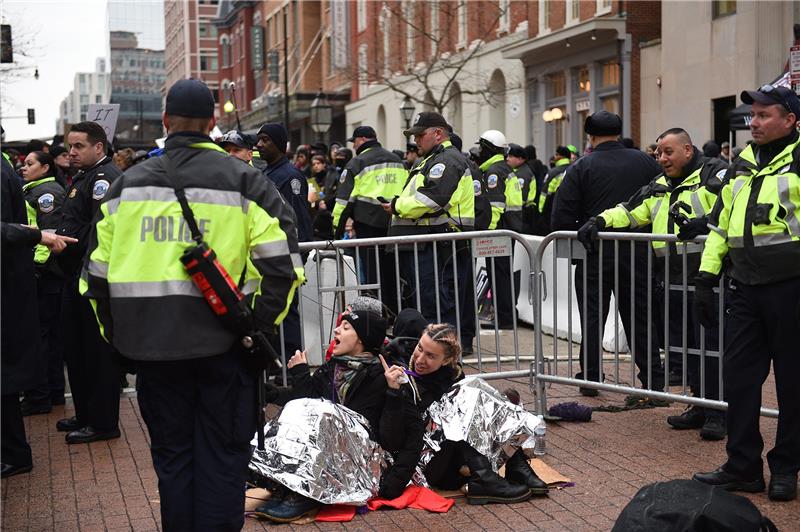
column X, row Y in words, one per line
column 369, row 326
column 603, row 124
column 277, row 134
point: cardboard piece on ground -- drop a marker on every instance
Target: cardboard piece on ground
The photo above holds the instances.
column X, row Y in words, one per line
column 552, row 477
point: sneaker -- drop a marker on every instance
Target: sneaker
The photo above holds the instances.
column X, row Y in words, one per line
column 692, row 418
column 291, row 508
column 714, row 428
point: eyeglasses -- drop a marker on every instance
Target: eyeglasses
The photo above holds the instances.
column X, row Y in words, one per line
column 773, row 93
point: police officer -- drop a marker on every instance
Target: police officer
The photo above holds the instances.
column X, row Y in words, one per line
column 92, row 365
column 293, row 186
column 517, row 159
column 505, row 197
column 608, row 176
column 236, row 144
column 547, row 193
column 43, row 199
column 678, row 201
column 19, row 335
column 195, row 391
column 438, row 198
column 373, row 173
column 756, row 238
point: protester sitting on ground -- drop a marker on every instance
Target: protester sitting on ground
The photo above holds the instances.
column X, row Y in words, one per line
column 352, row 378
column 433, row 369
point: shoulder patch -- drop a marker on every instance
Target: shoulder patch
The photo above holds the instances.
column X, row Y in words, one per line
column 46, row 202
column 784, row 169
column 476, row 185
column 491, row 181
column 521, row 182
column 296, row 186
column 343, row 176
column 436, row 171
column 721, row 174
column 100, row 188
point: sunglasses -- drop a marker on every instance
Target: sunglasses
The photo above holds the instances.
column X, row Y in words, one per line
column 773, row 93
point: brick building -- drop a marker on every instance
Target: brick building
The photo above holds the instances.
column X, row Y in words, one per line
column 580, row 57
column 190, row 48
column 441, row 55
column 256, row 56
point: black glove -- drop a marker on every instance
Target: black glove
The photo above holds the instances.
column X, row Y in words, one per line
column 705, row 308
column 587, row 234
column 693, row 228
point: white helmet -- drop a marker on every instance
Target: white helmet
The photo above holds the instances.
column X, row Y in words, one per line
column 494, row 138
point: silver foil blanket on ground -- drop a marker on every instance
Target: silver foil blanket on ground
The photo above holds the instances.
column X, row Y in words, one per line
column 323, row 451
column 478, row 414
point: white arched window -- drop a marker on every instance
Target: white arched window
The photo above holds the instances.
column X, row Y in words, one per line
column 385, row 22
column 497, row 110
column 225, row 48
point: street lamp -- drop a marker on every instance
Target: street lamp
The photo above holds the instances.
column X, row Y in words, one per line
column 321, row 115
column 407, row 109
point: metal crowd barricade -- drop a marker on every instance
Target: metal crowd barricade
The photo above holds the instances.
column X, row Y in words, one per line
column 336, row 274
column 548, row 368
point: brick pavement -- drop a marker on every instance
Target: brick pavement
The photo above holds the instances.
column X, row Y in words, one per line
column 81, row 487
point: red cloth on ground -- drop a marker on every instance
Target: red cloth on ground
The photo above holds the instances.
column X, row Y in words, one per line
column 336, row 513
column 415, row 497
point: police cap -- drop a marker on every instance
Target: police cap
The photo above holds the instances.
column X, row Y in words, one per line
column 603, row 124
column 363, row 131
column 190, row 98
column 425, row 120
column 771, row 95
column 515, row 150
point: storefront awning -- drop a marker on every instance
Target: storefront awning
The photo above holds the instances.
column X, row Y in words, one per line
column 581, row 37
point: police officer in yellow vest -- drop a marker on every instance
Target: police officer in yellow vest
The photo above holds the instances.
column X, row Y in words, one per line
column 517, row 159
column 43, row 199
column 195, row 391
column 546, row 195
column 505, row 197
column 373, row 173
column 438, row 198
column 756, row 242
column 678, row 202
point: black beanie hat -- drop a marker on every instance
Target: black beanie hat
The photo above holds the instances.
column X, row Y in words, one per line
column 277, row 134
column 369, row 326
column 603, row 124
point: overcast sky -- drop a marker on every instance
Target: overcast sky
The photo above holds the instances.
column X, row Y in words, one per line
column 68, row 36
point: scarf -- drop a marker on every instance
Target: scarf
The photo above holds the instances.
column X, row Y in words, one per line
column 345, row 370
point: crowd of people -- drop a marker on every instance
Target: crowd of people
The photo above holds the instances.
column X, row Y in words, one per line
column 97, row 245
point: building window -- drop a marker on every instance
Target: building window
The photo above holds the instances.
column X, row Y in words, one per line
column 208, row 63
column 544, row 16
column 385, row 25
column 584, row 85
column 610, row 104
column 361, row 12
column 504, row 16
column 610, row 75
column 362, row 70
column 603, row 7
column 573, row 12
column 98, row 98
column 225, row 45
column 721, row 8
column 462, row 23
column 556, row 85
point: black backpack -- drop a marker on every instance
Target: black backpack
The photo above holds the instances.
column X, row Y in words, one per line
column 688, row 505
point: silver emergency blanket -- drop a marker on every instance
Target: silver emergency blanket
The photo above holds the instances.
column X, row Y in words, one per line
column 321, row 450
column 478, row 414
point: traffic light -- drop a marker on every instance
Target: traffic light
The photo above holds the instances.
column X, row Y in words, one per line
column 31, row 116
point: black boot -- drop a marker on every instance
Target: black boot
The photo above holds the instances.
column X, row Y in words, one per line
column 519, row 471
column 486, row 487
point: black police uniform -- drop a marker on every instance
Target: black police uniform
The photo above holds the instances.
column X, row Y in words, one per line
column 92, row 364
column 46, row 198
column 610, row 175
column 19, row 336
column 293, row 186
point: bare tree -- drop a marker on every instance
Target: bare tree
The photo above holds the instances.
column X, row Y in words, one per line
column 24, row 66
column 442, row 72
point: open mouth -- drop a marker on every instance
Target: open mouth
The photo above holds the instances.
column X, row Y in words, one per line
column 337, row 341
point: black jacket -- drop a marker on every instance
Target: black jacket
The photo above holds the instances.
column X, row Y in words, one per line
column 293, row 186
column 608, row 176
column 366, row 394
column 404, row 422
column 81, row 203
column 20, row 314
